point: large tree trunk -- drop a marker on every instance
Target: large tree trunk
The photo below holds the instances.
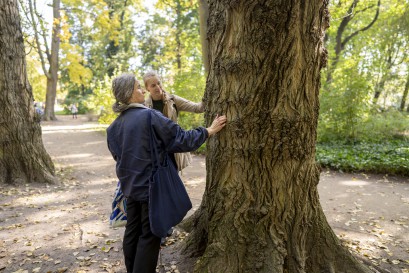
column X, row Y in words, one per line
column 23, row 158
column 261, row 210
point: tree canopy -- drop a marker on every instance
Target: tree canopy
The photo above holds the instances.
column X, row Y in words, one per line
column 367, row 67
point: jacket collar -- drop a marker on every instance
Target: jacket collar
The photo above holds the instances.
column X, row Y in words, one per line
column 134, row 105
column 165, row 99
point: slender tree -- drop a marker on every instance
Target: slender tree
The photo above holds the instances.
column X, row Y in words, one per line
column 104, row 31
column 389, row 62
column 260, row 210
column 116, row 7
column 344, row 34
column 387, row 51
column 405, row 95
column 48, row 56
column 170, row 43
column 23, row 158
column 170, row 40
column 405, row 26
column 203, row 16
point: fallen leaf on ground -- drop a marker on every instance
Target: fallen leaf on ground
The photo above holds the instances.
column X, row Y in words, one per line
column 106, row 249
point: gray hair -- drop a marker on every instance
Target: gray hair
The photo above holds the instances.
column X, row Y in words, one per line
column 122, row 88
column 149, row 75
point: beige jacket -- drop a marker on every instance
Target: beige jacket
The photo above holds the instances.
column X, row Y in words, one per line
column 170, row 111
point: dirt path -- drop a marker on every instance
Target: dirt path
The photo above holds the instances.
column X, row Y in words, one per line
column 64, row 228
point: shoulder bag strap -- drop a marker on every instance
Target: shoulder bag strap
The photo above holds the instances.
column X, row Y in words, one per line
column 152, row 142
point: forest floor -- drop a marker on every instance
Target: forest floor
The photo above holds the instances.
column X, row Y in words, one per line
column 63, row 227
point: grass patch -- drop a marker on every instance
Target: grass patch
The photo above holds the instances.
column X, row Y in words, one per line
column 61, row 113
column 390, row 157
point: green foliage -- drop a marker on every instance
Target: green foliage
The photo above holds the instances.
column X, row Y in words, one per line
column 73, row 64
column 201, row 150
column 371, row 126
column 385, row 157
column 384, row 126
column 189, row 85
column 169, row 43
column 372, row 64
column 189, row 121
column 37, row 80
column 100, row 40
column 345, row 105
column 101, row 100
column 99, row 37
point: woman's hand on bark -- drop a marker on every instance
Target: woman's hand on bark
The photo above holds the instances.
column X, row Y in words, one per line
column 217, row 124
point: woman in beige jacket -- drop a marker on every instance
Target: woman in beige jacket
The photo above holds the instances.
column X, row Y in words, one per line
column 170, row 105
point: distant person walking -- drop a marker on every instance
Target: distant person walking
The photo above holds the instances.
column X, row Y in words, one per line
column 39, row 111
column 74, row 110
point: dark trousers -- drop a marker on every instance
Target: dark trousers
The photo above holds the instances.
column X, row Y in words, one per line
column 141, row 247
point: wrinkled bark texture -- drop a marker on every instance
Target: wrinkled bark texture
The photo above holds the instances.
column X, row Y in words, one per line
column 261, row 211
column 23, row 158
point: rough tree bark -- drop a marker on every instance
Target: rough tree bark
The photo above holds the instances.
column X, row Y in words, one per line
column 261, row 210
column 23, row 158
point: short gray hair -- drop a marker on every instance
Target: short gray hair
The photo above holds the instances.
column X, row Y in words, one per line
column 149, row 75
column 122, row 88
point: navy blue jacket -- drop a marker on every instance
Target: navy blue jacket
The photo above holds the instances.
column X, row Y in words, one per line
column 129, row 142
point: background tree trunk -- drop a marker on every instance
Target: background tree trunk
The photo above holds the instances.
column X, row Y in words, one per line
column 342, row 41
column 203, row 16
column 23, row 158
column 405, row 95
column 113, row 48
column 178, row 34
column 261, row 210
column 386, row 71
column 52, row 78
column 47, row 56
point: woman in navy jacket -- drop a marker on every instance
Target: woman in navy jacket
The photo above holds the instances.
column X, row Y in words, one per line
column 129, row 142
